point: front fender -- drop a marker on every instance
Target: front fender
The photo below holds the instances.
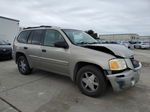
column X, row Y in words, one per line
column 101, row 62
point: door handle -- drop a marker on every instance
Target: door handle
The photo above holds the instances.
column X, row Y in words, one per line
column 25, row 47
column 43, row 50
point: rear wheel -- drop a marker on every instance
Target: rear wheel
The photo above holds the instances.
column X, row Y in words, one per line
column 91, row 81
column 23, row 65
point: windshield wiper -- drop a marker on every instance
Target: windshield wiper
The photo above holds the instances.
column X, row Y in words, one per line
column 93, row 43
column 83, row 43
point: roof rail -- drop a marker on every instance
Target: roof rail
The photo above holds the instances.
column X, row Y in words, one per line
column 45, row 26
column 37, row 27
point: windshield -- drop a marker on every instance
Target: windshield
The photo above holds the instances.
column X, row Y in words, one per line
column 79, row 37
column 2, row 42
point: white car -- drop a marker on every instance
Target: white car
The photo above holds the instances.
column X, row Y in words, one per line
column 143, row 44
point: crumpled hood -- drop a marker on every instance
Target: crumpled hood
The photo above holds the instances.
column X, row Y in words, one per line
column 113, row 49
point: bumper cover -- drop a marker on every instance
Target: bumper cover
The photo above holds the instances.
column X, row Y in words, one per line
column 125, row 79
column 6, row 55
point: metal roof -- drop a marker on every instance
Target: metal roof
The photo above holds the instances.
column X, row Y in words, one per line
column 9, row 19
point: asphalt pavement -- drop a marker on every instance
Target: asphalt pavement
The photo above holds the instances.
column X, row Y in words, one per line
column 47, row 92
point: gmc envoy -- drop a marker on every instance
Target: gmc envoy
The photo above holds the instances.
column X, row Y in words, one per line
column 92, row 66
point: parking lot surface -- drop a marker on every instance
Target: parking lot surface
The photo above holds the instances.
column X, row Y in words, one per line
column 47, row 92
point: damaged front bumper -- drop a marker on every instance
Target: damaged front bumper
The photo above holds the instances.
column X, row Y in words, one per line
column 125, row 79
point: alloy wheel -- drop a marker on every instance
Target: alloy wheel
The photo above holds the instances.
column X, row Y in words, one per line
column 89, row 82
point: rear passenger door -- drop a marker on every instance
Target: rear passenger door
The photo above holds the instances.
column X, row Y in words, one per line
column 53, row 58
column 34, row 47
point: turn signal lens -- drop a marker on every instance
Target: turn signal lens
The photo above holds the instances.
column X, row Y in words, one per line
column 113, row 65
column 117, row 64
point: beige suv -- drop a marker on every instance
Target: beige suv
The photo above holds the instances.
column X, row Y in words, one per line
column 92, row 66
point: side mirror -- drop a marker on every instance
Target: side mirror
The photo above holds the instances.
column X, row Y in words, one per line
column 61, row 44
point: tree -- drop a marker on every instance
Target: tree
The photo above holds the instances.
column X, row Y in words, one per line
column 92, row 33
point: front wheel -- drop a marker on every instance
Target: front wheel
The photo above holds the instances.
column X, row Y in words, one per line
column 23, row 65
column 91, row 81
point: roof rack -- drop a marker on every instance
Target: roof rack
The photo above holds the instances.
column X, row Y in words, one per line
column 37, row 27
column 45, row 26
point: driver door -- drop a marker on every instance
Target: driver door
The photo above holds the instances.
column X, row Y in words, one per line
column 54, row 59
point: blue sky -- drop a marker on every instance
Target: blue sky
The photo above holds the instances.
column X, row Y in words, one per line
column 103, row 16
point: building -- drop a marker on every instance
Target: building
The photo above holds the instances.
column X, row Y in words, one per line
column 144, row 37
column 8, row 28
column 119, row 36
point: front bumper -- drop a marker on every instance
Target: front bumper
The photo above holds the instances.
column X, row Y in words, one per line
column 125, row 79
column 6, row 55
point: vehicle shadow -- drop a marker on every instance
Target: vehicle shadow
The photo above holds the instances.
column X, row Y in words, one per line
column 68, row 81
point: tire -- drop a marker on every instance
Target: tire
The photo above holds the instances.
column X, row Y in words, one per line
column 84, row 84
column 23, row 65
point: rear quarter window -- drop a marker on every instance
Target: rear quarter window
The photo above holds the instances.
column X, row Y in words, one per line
column 23, row 36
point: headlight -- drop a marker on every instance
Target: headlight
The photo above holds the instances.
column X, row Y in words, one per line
column 117, row 64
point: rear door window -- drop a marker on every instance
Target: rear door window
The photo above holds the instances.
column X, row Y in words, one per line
column 23, row 36
column 36, row 37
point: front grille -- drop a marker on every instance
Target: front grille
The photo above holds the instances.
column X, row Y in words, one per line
column 135, row 63
column 6, row 51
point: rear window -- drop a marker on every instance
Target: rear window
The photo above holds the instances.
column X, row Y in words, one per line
column 23, row 36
